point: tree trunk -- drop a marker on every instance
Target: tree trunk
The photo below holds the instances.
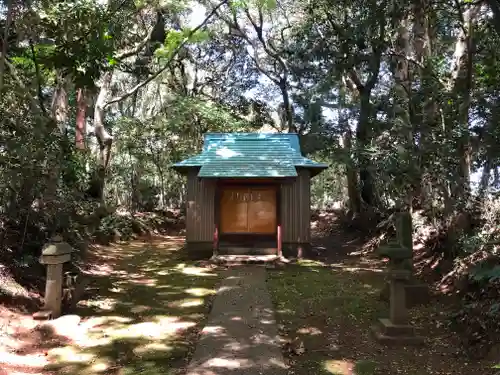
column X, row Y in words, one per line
column 351, row 172
column 485, row 179
column 104, row 139
column 5, row 41
column 401, row 71
column 363, row 139
column 461, row 90
column 59, row 111
column 429, row 110
column 81, row 129
column 351, row 175
column 287, row 109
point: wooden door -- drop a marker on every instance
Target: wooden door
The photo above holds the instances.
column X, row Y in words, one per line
column 233, row 211
column 248, row 210
column 262, row 211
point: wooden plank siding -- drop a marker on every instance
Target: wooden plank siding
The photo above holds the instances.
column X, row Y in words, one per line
column 296, row 209
column 200, row 211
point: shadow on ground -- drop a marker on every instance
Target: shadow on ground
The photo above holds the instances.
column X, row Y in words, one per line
column 144, row 309
column 326, row 303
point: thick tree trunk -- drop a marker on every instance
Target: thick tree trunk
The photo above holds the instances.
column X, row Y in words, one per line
column 59, row 112
column 401, row 71
column 428, row 126
column 363, row 139
column 287, row 116
column 351, row 175
column 461, row 86
column 104, row 139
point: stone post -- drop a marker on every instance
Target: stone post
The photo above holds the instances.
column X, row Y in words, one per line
column 54, row 255
column 416, row 292
column 398, row 313
column 397, row 329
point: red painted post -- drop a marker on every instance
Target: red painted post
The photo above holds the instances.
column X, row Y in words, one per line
column 216, row 240
column 280, row 249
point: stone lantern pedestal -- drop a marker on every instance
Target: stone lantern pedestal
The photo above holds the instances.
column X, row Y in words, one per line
column 54, row 255
column 397, row 328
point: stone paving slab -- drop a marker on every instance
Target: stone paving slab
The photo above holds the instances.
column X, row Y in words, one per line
column 241, row 335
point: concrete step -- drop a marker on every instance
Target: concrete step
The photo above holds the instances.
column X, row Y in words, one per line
column 235, row 260
column 241, row 250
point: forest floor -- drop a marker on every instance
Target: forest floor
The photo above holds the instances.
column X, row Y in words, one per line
column 145, row 306
column 147, row 302
column 327, row 302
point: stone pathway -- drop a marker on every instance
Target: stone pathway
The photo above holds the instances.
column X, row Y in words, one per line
column 241, row 336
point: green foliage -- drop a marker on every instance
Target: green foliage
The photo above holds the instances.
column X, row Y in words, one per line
column 482, row 273
column 82, row 43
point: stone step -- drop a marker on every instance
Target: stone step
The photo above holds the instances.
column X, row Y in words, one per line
column 235, row 260
column 243, row 250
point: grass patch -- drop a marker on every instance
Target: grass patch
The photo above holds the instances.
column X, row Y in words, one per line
column 144, row 314
column 330, row 308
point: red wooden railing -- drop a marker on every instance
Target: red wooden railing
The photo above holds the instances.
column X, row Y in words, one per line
column 216, row 240
column 279, row 240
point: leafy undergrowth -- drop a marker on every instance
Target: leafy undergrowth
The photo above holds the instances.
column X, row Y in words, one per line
column 329, row 308
column 144, row 308
column 124, row 226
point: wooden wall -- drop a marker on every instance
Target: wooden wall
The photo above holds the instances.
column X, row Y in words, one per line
column 296, row 209
column 200, row 208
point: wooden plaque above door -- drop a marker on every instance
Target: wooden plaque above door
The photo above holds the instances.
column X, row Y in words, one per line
column 248, row 210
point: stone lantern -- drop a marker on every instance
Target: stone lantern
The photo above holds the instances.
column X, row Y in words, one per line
column 397, row 327
column 54, row 255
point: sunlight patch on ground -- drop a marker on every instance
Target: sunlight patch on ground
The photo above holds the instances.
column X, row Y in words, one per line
column 70, row 354
column 152, row 348
column 100, row 365
column 155, row 303
column 200, row 292
column 148, row 282
column 310, row 263
column 339, row 367
column 228, row 363
column 12, row 359
column 197, row 271
column 355, row 269
column 161, row 328
column 187, row 302
column 313, row 331
column 103, row 304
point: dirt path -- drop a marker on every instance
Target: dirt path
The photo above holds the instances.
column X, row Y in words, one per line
column 144, row 309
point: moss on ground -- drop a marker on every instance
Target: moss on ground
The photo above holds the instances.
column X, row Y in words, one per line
column 330, row 308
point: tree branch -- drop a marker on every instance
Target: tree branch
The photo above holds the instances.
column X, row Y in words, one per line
column 169, row 61
column 136, row 49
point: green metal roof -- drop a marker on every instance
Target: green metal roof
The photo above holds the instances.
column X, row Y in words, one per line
column 249, row 155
